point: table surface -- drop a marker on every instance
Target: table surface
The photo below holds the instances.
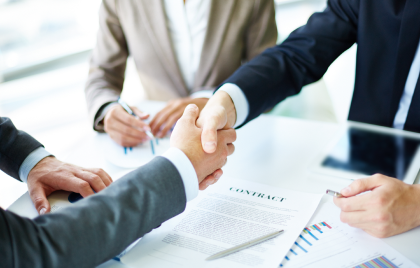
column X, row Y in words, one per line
column 276, row 151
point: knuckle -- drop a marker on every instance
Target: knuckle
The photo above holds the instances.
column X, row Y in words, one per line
column 83, row 185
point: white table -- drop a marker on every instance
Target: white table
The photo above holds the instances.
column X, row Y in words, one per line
column 276, row 151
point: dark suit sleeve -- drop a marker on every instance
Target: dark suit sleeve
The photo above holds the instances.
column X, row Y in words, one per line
column 15, row 146
column 303, row 58
column 96, row 228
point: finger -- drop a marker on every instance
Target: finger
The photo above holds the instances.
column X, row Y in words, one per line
column 358, row 219
column 210, row 179
column 168, row 125
column 139, row 113
column 228, row 135
column 161, row 118
column 130, row 120
column 126, row 130
column 352, row 204
column 39, row 198
column 230, row 149
column 125, row 141
column 75, row 184
column 94, row 180
column 363, row 185
column 102, row 174
column 190, row 114
column 209, row 135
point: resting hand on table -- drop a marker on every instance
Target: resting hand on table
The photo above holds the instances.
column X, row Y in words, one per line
column 392, row 207
column 50, row 174
column 162, row 123
column 186, row 137
column 124, row 128
column 219, row 113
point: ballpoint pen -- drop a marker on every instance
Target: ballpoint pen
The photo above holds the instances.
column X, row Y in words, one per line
column 333, row 193
column 244, row 245
column 148, row 133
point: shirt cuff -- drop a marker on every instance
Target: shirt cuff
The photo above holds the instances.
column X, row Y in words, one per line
column 30, row 161
column 202, row 94
column 239, row 101
column 185, row 169
column 102, row 114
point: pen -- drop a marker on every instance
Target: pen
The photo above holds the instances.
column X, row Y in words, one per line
column 333, row 193
column 148, row 133
column 244, row 245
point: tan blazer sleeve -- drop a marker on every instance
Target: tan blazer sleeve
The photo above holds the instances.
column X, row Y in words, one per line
column 108, row 62
column 262, row 30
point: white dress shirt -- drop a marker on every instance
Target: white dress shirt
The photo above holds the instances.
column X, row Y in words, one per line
column 187, row 27
column 242, row 107
column 407, row 96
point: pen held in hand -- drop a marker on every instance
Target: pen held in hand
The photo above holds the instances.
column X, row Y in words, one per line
column 244, row 245
column 148, row 133
column 334, row 193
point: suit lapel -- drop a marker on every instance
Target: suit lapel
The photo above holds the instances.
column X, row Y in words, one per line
column 153, row 17
column 219, row 18
column 407, row 44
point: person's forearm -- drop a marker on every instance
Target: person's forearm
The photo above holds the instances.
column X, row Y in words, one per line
column 97, row 228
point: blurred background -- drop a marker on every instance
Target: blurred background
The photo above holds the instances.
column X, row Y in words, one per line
column 44, row 63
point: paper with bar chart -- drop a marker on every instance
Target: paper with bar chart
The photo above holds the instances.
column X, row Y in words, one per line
column 228, row 214
column 327, row 242
column 132, row 157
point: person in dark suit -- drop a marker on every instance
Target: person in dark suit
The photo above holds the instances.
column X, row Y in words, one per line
column 99, row 227
column 386, row 93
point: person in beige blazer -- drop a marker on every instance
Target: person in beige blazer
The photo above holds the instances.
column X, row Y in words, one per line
column 182, row 50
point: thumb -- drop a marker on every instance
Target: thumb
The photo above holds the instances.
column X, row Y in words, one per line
column 362, row 185
column 190, row 115
column 39, row 199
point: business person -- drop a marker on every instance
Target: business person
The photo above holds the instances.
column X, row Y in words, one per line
column 99, row 227
column 182, row 51
column 386, row 93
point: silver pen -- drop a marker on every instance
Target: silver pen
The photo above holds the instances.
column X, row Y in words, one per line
column 244, row 245
column 334, row 193
column 148, row 133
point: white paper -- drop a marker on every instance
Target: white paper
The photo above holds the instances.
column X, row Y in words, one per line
column 131, row 157
column 340, row 246
column 227, row 214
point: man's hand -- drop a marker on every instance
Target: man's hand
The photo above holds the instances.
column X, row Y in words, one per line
column 392, row 207
column 124, row 128
column 165, row 119
column 219, row 113
column 50, row 175
column 186, row 137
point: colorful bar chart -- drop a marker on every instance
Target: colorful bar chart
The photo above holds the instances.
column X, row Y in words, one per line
column 380, row 262
column 308, row 240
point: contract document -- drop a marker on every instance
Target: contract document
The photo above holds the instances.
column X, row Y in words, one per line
column 327, row 242
column 227, row 214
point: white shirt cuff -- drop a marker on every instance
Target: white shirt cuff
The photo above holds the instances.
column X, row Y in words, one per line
column 30, row 161
column 185, row 169
column 239, row 101
column 202, row 94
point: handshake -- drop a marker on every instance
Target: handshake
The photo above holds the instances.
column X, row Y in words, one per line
column 187, row 136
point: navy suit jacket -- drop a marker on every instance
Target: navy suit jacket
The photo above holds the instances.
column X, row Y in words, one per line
column 15, row 146
column 387, row 33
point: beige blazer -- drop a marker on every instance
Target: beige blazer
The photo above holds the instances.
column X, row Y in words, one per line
column 238, row 30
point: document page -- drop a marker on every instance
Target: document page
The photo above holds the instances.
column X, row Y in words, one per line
column 327, row 242
column 227, row 214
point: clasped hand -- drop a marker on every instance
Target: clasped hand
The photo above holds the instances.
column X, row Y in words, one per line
column 187, row 137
